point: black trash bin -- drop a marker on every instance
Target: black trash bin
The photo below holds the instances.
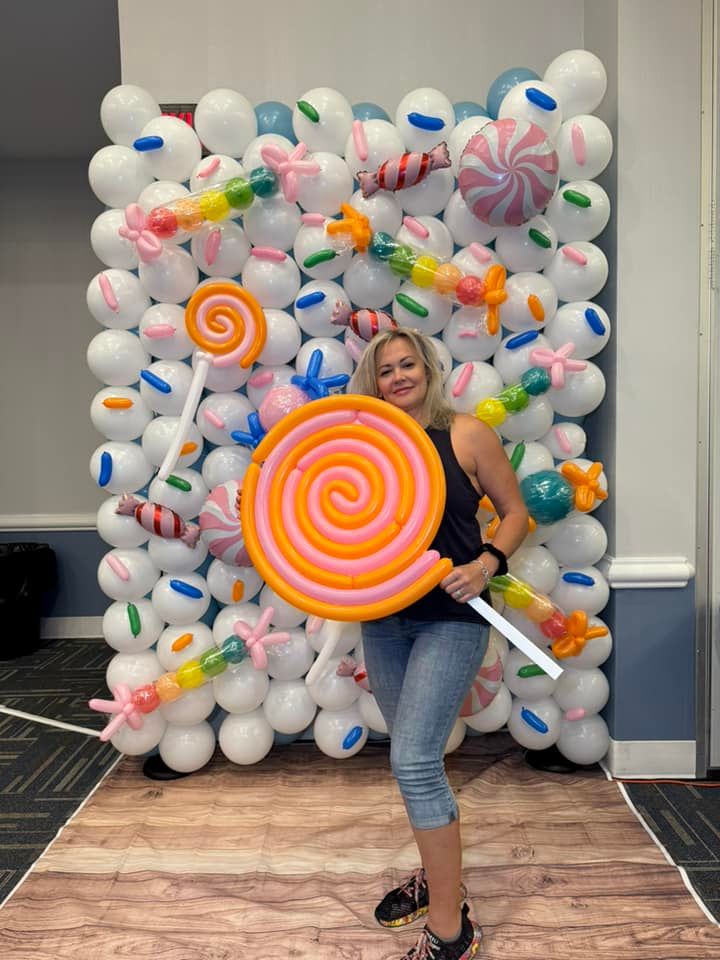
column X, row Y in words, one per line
column 28, row 573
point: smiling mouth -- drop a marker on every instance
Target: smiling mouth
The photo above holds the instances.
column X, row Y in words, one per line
column 402, row 390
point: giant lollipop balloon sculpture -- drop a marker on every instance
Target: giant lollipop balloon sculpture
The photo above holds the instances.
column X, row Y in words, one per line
column 228, row 325
column 339, row 517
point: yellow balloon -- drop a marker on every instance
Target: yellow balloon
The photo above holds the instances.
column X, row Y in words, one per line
column 191, row 675
column 491, row 411
column 518, row 595
column 214, row 205
column 423, row 271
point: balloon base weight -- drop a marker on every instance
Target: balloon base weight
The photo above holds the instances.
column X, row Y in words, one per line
column 155, row 768
column 550, row 760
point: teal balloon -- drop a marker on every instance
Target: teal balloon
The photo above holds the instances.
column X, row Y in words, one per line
column 503, row 84
column 536, row 381
column 369, row 111
column 548, row 496
column 468, row 108
column 275, row 117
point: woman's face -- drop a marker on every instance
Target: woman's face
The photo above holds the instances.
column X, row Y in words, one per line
column 400, row 376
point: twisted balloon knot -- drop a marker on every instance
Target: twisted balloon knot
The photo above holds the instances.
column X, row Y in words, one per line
column 257, row 639
column 577, row 634
column 495, row 294
column 586, row 483
column 289, row 167
column 355, row 224
column 557, row 362
column 148, row 246
column 123, row 708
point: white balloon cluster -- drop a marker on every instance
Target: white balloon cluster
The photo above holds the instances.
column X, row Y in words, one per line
column 143, row 357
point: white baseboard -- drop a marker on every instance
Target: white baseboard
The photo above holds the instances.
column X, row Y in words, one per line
column 59, row 628
column 651, row 759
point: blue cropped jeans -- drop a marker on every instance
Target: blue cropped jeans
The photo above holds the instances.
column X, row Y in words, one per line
column 420, row 672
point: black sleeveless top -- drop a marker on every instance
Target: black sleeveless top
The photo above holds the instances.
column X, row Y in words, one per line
column 458, row 537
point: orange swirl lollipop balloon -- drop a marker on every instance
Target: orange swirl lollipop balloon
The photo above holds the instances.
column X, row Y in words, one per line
column 339, row 519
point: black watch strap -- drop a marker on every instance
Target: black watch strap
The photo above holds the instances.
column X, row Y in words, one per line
column 499, row 556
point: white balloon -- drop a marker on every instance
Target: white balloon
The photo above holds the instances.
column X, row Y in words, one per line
column 119, row 423
column 118, row 530
column 370, row 283
column 241, row 688
column 316, row 318
column 245, row 738
column 272, row 222
column 382, row 142
column 529, row 424
column 333, row 124
column 519, row 249
column 290, row 660
column 221, row 167
column 120, row 467
column 326, row 191
column 273, row 283
column 231, row 584
column 370, row 712
column 172, row 277
column 382, row 209
column 174, row 344
column 225, row 121
column 536, row 566
column 583, row 392
column 159, row 435
column 444, row 357
column 475, row 260
column 133, row 669
column 586, row 690
column 192, row 707
column 535, row 457
column 288, row 706
column 584, row 741
column 580, row 80
column 347, row 636
column 185, row 502
column 579, row 540
column 118, row 175
column 495, row 715
column 437, row 240
column 173, row 374
column 574, row 221
column 484, row 382
column 260, row 384
column 340, row 733
column 438, row 307
column 128, row 299
column 107, row 244
column 458, row 139
column 225, row 463
column 590, row 159
column 424, row 103
column 130, row 635
column 536, row 724
column 158, row 194
column 516, row 105
column 174, row 605
column 134, row 743
column 116, row 357
column 335, row 360
column 187, row 747
column 285, row 616
column 231, row 255
column 578, row 271
column 232, row 409
column 512, row 358
column 175, row 556
column 127, row 574
column 430, row 196
column 457, row 735
column 252, row 157
column 590, row 595
column 565, row 440
column 180, row 150
column 524, row 289
column 584, row 324
column 196, row 639
column 530, row 688
column 332, row 692
column 311, row 240
column 464, row 226
column 124, row 111
column 467, row 338
column 595, row 652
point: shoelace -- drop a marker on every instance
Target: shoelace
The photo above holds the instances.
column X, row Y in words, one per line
column 414, row 884
column 423, row 949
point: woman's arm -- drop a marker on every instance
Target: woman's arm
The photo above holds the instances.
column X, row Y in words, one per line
column 478, row 445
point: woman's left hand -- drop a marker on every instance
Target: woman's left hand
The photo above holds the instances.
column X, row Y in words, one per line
column 468, row 581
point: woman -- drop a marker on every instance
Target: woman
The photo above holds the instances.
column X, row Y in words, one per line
column 422, row 661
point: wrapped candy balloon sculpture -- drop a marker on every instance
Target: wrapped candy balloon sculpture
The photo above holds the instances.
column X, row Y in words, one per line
column 254, row 513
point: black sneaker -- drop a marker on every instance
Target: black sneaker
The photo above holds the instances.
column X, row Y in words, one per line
column 430, row 947
column 408, row 902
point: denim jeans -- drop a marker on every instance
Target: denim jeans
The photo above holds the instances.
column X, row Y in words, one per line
column 420, row 672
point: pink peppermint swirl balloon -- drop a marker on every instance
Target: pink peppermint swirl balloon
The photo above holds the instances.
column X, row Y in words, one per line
column 486, row 684
column 508, row 172
column 220, row 525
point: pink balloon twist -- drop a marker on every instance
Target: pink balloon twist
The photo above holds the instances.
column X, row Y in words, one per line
column 289, row 167
column 122, row 706
column 557, row 362
column 146, row 243
column 256, row 639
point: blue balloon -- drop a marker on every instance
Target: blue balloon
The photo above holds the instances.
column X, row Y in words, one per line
column 468, row 108
column 548, row 496
column 503, row 84
column 369, row 111
column 275, row 117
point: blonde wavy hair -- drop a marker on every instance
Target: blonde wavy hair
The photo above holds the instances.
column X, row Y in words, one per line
column 436, row 409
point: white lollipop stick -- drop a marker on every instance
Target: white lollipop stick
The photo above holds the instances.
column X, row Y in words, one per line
column 333, row 629
column 530, row 649
column 197, row 385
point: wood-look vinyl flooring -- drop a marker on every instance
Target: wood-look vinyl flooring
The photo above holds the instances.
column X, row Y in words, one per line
column 287, row 859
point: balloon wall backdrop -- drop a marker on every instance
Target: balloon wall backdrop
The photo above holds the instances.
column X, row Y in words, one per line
column 252, row 515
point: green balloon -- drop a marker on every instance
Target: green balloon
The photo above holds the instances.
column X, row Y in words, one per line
column 382, row 246
column 402, row 260
column 212, row 662
column 514, row 398
column 238, row 193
